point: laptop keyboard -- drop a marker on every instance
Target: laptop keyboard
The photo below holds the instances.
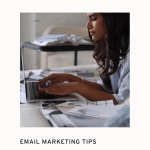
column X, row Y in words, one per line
column 33, row 88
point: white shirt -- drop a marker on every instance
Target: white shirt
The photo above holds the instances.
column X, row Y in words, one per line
column 120, row 81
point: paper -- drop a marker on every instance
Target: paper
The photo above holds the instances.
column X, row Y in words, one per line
column 26, row 73
column 82, row 121
column 47, row 72
column 49, row 42
column 109, row 102
column 69, row 104
column 22, row 94
column 86, row 112
column 62, row 121
column 29, row 73
column 42, row 43
column 107, row 107
column 72, row 39
column 22, row 97
column 110, row 110
column 36, row 77
column 46, row 113
column 53, row 37
column 88, row 104
column 57, row 120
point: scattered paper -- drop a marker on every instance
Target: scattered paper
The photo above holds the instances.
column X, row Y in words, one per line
column 86, row 112
column 72, row 104
column 107, row 107
column 62, row 120
column 82, row 121
column 68, row 105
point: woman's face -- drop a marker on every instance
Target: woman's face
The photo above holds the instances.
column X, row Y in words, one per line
column 95, row 25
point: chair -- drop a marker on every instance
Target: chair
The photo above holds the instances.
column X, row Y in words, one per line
column 64, row 59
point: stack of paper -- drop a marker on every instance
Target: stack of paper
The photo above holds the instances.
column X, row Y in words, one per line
column 47, row 39
column 53, row 37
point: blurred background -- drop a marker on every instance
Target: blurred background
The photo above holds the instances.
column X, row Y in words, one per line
column 34, row 25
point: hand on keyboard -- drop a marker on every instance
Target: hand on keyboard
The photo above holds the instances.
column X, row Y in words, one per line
column 54, row 78
column 35, row 94
column 60, row 88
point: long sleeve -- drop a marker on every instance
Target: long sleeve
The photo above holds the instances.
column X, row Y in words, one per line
column 120, row 81
column 122, row 91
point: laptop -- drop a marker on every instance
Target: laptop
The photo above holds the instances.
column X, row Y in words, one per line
column 31, row 88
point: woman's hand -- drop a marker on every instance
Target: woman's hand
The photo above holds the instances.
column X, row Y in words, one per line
column 60, row 88
column 54, row 78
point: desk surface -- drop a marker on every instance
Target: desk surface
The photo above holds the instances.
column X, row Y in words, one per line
column 79, row 121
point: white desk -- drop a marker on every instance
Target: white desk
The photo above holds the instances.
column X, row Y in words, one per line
column 79, row 121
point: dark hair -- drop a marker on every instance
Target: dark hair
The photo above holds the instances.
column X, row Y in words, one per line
column 118, row 34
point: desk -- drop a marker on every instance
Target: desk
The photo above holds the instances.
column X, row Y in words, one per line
column 79, row 121
column 58, row 48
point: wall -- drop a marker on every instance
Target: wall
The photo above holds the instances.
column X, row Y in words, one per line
column 32, row 25
column 27, row 33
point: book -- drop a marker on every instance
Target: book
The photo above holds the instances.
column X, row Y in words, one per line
column 72, row 40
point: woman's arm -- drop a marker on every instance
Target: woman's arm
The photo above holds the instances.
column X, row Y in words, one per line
column 94, row 94
column 75, row 87
column 60, row 78
column 94, row 85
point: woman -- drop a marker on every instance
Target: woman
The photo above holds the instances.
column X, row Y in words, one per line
column 110, row 34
